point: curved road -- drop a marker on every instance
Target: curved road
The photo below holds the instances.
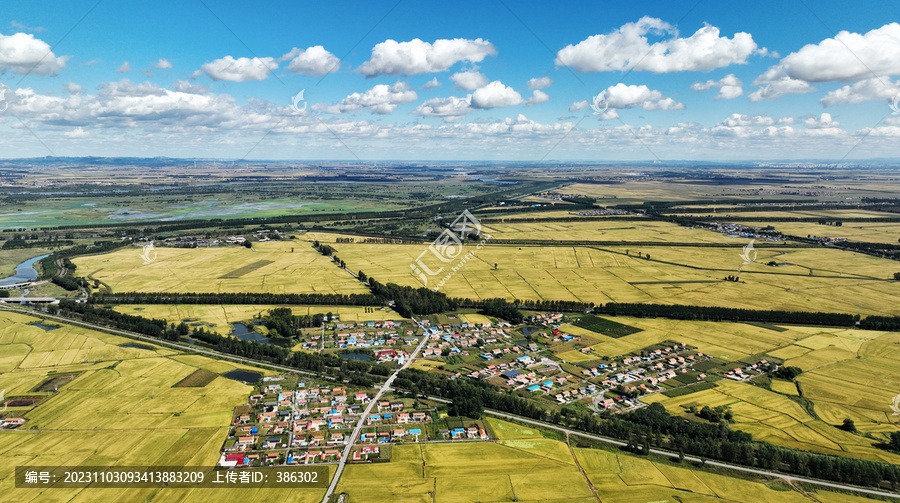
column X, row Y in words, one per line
column 386, row 387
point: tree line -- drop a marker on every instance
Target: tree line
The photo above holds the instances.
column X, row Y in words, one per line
column 708, row 313
column 885, row 323
column 410, row 301
column 15, row 244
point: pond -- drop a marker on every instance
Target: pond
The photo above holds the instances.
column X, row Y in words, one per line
column 530, row 330
column 254, row 337
column 45, row 327
column 243, row 376
column 239, row 329
column 360, row 357
column 243, row 333
column 24, row 272
column 136, row 346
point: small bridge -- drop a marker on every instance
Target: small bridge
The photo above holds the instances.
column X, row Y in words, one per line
column 29, row 300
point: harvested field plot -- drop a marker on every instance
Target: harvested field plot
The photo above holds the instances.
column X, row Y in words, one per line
column 198, row 379
column 605, row 327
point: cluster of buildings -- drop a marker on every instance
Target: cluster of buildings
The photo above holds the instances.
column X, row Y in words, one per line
column 602, row 212
column 288, row 421
column 458, row 339
column 291, row 422
column 510, row 371
column 11, row 423
column 742, row 374
column 370, row 334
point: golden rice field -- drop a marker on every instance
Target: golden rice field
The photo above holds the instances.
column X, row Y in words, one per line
column 219, row 318
column 847, row 373
column 273, row 267
column 723, row 210
column 773, row 417
column 120, row 410
column 525, row 466
column 814, row 280
column 603, row 230
column 870, row 232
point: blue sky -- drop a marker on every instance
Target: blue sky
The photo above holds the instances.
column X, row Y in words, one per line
column 509, row 80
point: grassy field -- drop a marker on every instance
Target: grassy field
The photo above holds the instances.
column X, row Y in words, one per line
column 816, row 279
column 294, row 267
column 219, row 318
column 121, row 409
column 524, row 466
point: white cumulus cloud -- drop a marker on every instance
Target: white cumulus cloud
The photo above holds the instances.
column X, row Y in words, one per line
column 775, row 83
column 537, row 97
column 431, row 84
column 24, row 54
column 78, row 132
column 451, row 108
column 824, row 121
column 628, row 48
column 848, row 56
column 240, row 69
column 72, row 88
column 315, row 61
column 163, row 64
column 864, row 90
column 622, row 96
column 469, row 80
column 729, row 87
column 495, row 95
column 540, row 83
column 381, row 99
column 416, row 57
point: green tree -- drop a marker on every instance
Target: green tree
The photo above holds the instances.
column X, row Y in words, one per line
column 848, row 425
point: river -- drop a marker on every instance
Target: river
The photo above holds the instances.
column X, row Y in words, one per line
column 24, row 272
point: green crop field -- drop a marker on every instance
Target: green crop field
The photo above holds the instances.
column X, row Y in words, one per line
column 605, row 327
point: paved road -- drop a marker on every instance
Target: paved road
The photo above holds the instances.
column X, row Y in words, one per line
column 729, row 466
column 362, row 420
